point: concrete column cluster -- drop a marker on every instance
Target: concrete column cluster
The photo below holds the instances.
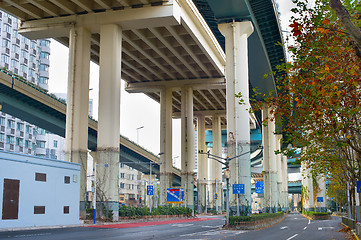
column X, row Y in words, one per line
column 187, row 144
column 216, row 179
column 202, row 164
column 76, row 135
column 165, row 143
column 270, row 170
column 238, row 129
column 307, row 189
column 108, row 141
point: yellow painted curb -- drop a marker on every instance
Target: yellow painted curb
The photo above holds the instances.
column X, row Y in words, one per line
column 354, row 234
column 306, row 217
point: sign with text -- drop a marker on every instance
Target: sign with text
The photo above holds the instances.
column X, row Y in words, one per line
column 238, row 188
column 150, row 190
column 259, row 187
column 319, row 199
column 358, row 185
column 175, row 195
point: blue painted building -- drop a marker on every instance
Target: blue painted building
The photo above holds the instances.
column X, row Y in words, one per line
column 36, row 191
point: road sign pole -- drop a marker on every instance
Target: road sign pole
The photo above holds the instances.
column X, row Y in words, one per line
column 227, row 201
column 150, row 180
column 95, row 193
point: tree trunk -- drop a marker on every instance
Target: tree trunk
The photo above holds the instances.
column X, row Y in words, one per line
column 345, row 19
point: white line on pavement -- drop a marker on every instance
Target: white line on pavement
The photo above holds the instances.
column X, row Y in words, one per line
column 304, row 228
column 292, row 237
column 285, row 227
column 309, row 221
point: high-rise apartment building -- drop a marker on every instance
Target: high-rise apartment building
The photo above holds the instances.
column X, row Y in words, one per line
column 28, row 59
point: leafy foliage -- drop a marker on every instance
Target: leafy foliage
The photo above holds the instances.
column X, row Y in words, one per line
column 234, row 220
column 134, row 212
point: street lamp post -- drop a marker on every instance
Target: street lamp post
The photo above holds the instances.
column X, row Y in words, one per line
column 227, row 173
column 138, row 128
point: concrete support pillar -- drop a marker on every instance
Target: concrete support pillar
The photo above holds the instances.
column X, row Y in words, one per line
column 187, row 144
column 238, row 129
column 279, row 173
column 307, row 189
column 320, row 191
column 273, row 165
column 285, row 182
column 202, row 164
column 165, row 143
column 76, row 134
column 266, row 161
column 216, row 179
column 109, row 116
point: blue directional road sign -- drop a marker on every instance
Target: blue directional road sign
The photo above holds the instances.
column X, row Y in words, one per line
column 150, row 190
column 238, row 188
column 259, row 187
column 358, row 186
column 319, row 199
column 175, row 195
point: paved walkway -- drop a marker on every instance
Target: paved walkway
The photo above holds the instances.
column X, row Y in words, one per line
column 150, row 223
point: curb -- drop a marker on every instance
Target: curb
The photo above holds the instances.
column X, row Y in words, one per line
column 309, row 218
column 353, row 233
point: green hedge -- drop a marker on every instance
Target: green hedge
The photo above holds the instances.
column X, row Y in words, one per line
column 234, row 220
column 133, row 212
column 311, row 213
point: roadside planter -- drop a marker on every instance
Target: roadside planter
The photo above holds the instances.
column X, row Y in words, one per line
column 254, row 221
column 318, row 215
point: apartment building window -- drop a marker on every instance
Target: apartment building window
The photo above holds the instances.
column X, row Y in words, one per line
column 22, row 68
column 33, row 44
column 20, row 126
column 121, row 185
column 2, row 121
column 122, row 165
column 40, row 144
column 2, row 137
column 55, row 143
column 45, row 43
column 5, row 43
column 14, row 63
column 32, row 58
column 122, row 175
column 28, row 129
column 43, row 80
column 11, row 123
column 15, row 48
column 10, row 139
column 129, row 186
column 15, row 33
column 44, row 55
column 7, row 28
column 44, row 67
column 19, row 142
column 41, row 131
column 27, row 143
column 24, row 53
column 5, row 58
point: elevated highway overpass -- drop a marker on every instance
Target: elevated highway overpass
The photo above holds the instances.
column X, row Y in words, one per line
column 30, row 103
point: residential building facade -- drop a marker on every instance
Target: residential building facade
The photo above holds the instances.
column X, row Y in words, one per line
column 28, row 59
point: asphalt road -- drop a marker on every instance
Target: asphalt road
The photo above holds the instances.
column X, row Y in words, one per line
column 293, row 227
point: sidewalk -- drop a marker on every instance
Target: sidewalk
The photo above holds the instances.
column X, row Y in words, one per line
column 140, row 222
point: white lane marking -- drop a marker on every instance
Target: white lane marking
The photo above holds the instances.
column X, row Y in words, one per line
column 32, row 235
column 182, row 225
column 292, row 237
column 285, row 227
column 196, row 233
column 309, row 221
column 304, row 228
column 320, row 228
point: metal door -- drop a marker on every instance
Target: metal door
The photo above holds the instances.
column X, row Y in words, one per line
column 10, row 199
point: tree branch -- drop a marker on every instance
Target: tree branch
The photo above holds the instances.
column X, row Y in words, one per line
column 345, row 19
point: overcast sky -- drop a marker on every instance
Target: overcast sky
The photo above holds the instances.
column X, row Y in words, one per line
column 136, row 109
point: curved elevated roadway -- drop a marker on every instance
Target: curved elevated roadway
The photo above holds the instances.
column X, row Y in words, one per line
column 23, row 100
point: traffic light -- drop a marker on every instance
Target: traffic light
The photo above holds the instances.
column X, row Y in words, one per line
column 215, row 196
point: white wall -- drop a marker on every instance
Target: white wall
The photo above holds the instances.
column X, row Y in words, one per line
column 54, row 194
